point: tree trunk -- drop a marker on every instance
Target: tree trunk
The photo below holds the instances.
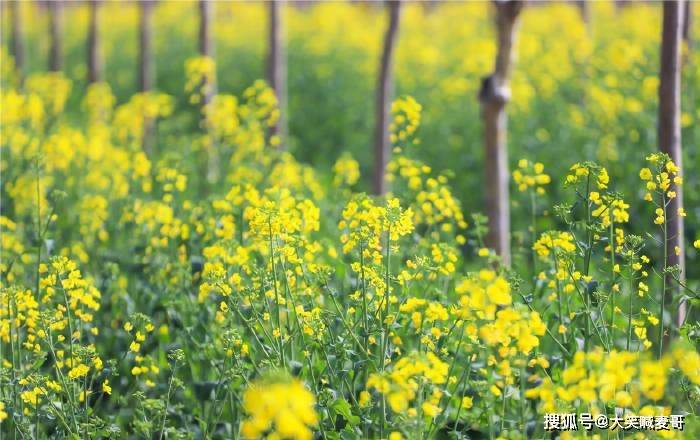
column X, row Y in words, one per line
column 206, row 39
column 147, row 70
column 56, row 33
column 385, row 91
column 494, row 95
column 17, row 43
column 431, row 6
column 620, row 4
column 669, row 135
column 688, row 25
column 303, row 5
column 206, row 49
column 584, row 9
column 94, row 55
column 146, row 67
column 277, row 68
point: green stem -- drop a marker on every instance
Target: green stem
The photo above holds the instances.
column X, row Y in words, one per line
column 629, row 314
column 533, row 226
column 364, row 301
column 277, row 296
column 587, row 261
column 167, row 402
column 612, row 290
column 384, row 322
column 560, row 300
column 663, row 281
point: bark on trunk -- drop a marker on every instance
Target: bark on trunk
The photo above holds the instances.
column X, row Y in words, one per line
column 385, row 91
column 56, row 34
column 94, row 54
column 17, row 43
column 669, row 135
column 146, row 67
column 494, row 95
column 277, row 68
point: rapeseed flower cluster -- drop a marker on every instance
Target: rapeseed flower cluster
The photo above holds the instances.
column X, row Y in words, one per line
column 531, row 175
column 407, row 114
column 346, row 171
column 279, row 409
column 627, row 380
column 201, row 78
column 661, row 184
column 407, row 376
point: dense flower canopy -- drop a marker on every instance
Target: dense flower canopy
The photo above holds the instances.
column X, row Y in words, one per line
column 168, row 272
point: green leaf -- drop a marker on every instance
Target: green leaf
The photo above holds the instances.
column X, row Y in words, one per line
column 342, row 407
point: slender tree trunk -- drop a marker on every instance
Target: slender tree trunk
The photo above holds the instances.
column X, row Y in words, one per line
column 431, row 6
column 147, row 69
column 669, row 134
column 17, row 43
column 584, row 8
column 688, row 25
column 303, row 5
column 56, row 34
column 277, row 67
column 206, row 40
column 620, row 4
column 146, row 61
column 94, row 54
column 385, row 91
column 207, row 48
column 494, row 95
